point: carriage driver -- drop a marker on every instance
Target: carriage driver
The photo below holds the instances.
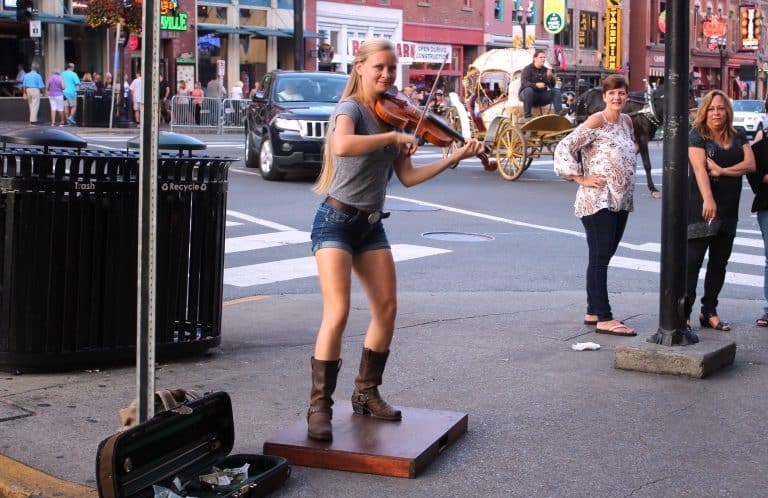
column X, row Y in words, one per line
column 537, row 86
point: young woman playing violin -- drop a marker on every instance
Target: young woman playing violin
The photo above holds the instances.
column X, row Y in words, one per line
column 361, row 152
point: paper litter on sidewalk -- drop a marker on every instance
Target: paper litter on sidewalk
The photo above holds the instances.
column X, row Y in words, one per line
column 585, row 346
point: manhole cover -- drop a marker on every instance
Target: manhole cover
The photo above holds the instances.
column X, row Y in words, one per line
column 408, row 206
column 10, row 412
column 457, row 236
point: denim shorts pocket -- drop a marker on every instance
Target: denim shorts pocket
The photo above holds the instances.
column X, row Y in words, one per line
column 333, row 215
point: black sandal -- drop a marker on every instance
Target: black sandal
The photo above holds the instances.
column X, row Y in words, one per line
column 762, row 321
column 705, row 319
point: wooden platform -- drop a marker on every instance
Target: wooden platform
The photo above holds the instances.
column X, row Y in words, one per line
column 364, row 444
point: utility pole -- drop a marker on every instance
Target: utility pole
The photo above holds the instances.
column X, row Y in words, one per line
column 298, row 34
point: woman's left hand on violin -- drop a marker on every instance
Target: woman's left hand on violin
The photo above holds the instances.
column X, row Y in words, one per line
column 471, row 148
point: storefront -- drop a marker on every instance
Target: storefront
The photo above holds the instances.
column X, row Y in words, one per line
column 431, row 45
column 342, row 27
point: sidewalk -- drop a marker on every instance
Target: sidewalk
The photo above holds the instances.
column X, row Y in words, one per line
column 6, row 126
column 543, row 420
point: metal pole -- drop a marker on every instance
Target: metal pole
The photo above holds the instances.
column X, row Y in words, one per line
column 674, row 207
column 145, row 313
column 114, row 73
column 298, row 34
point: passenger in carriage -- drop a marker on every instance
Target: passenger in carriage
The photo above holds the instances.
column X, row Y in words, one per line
column 537, row 86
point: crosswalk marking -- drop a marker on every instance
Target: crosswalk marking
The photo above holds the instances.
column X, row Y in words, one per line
column 654, row 267
column 736, row 257
column 259, row 221
column 264, row 240
column 233, row 223
column 289, row 269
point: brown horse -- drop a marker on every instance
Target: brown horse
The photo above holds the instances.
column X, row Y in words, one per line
column 647, row 112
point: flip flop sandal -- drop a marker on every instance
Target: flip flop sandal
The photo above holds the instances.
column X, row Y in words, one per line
column 762, row 321
column 613, row 331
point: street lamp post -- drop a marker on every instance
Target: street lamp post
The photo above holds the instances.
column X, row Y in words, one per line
column 722, row 46
column 524, row 16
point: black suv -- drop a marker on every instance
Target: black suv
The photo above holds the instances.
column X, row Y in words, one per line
column 287, row 119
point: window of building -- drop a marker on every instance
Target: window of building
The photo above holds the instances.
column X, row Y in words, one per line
column 253, row 17
column 498, row 10
column 468, row 4
column 588, row 30
column 565, row 37
column 210, row 14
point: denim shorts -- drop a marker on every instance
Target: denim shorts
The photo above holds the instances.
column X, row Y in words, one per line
column 351, row 232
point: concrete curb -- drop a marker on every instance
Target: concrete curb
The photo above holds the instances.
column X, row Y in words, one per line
column 20, row 481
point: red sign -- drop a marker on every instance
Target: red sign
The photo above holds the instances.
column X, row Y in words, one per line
column 134, row 42
column 715, row 27
column 662, row 21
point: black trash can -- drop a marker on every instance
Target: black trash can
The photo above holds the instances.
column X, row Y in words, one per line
column 68, row 256
column 93, row 108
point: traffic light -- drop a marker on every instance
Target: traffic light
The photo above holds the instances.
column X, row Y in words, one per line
column 24, row 10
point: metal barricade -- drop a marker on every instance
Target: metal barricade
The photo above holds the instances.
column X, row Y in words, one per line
column 234, row 113
column 196, row 112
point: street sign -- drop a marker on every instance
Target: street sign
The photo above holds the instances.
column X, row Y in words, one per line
column 35, row 28
column 222, row 64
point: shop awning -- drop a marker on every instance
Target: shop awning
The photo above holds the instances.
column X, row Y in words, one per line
column 307, row 34
column 66, row 19
column 268, row 32
column 222, row 29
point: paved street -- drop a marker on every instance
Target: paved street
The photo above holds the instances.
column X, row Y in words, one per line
column 490, row 300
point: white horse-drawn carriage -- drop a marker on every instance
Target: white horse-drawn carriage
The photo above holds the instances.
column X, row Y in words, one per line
column 491, row 112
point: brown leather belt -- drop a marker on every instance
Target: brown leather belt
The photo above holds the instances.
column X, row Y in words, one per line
column 372, row 216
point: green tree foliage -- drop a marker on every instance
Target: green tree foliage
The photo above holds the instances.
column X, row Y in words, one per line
column 107, row 13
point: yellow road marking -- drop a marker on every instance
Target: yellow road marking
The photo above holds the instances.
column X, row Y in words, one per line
column 244, row 300
column 20, row 481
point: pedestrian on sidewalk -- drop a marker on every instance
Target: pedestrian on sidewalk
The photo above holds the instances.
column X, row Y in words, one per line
column 758, row 181
column 33, row 89
column 165, row 100
column 71, row 82
column 605, row 174
column 718, row 156
column 361, row 153
column 197, row 100
column 56, row 98
column 136, row 96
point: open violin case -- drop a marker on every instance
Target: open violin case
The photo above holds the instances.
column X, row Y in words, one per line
column 180, row 445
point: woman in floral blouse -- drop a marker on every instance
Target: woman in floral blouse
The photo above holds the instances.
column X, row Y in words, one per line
column 606, row 178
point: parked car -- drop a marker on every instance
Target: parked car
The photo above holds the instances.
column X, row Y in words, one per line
column 287, row 119
column 749, row 116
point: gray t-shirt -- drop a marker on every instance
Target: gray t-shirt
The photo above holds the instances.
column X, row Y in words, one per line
column 361, row 181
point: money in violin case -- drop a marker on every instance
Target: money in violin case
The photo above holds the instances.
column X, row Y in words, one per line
column 175, row 447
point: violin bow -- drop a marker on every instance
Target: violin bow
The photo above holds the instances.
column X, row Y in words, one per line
column 431, row 92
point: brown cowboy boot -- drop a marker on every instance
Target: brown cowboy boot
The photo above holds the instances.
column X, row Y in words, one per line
column 365, row 398
column 324, row 375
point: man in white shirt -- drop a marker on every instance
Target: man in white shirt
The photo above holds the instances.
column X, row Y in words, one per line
column 136, row 96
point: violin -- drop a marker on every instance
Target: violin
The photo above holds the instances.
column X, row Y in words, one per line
column 395, row 109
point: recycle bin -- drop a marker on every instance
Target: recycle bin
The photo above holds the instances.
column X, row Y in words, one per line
column 68, row 253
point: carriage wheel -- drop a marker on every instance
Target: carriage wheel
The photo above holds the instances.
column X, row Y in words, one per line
column 452, row 117
column 511, row 152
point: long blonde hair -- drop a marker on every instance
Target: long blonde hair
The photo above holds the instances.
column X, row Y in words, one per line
column 353, row 88
column 701, row 116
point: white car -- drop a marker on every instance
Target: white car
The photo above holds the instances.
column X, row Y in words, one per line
column 749, row 116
